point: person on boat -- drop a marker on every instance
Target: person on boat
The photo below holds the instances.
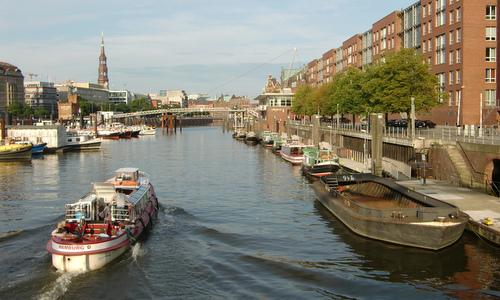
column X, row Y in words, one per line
column 70, row 227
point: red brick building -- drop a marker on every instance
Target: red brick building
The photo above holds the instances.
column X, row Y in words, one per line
column 458, row 39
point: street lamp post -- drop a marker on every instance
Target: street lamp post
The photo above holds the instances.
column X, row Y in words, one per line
column 412, row 117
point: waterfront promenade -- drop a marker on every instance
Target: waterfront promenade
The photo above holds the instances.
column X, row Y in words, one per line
column 478, row 206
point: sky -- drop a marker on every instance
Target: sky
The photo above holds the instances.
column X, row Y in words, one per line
column 214, row 47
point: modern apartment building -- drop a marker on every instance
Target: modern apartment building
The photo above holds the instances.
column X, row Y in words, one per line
column 367, row 48
column 352, row 55
column 328, row 70
column 458, row 38
column 120, row 97
column 41, row 94
column 387, row 36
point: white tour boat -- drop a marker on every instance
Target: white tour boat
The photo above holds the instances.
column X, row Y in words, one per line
column 103, row 224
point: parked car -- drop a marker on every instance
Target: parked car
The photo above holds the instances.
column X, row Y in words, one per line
column 403, row 123
column 429, row 123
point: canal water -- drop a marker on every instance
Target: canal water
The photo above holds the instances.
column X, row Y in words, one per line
column 236, row 222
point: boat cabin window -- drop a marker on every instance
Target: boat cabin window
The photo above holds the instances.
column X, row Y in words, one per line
column 126, row 176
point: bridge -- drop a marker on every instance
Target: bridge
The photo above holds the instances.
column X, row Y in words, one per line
column 177, row 111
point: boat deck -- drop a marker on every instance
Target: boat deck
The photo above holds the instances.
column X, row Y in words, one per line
column 477, row 205
column 378, row 203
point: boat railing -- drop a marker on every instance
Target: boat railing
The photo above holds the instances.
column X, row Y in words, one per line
column 119, row 214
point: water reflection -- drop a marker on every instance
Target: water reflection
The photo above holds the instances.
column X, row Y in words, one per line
column 464, row 270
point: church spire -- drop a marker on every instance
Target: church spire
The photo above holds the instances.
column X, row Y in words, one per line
column 103, row 67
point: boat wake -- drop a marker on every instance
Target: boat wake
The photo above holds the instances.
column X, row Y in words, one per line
column 9, row 234
column 137, row 251
column 59, row 287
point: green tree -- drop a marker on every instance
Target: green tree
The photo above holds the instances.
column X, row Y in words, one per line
column 140, row 104
column 123, row 107
column 404, row 74
column 20, row 110
column 16, row 109
column 347, row 92
column 41, row 112
column 302, row 100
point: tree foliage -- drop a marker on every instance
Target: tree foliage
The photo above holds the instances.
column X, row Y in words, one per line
column 385, row 87
column 20, row 110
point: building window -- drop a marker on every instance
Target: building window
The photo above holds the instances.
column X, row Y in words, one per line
column 459, row 35
column 383, row 39
column 491, row 12
column 440, row 5
column 451, row 96
column 491, row 33
column 452, row 58
column 490, row 75
column 429, row 27
column 424, row 30
column 452, row 37
column 491, row 54
column 458, row 76
column 450, row 78
column 490, row 97
column 440, row 18
column 441, row 81
column 429, row 45
column 424, row 11
column 441, row 49
column 458, row 56
column 450, row 18
column 458, row 15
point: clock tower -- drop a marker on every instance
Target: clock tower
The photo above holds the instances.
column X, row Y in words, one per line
column 103, row 67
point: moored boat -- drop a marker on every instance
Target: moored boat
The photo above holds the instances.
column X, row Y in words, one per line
column 147, row 131
column 277, row 143
column 380, row 209
column 125, row 134
column 15, row 152
column 241, row 134
column 82, row 142
column 293, row 152
column 38, row 148
column 103, row 224
column 268, row 139
column 319, row 162
column 108, row 134
column 251, row 138
column 135, row 132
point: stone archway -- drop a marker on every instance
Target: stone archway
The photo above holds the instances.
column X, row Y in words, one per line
column 492, row 170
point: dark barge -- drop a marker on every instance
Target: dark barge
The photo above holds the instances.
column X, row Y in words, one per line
column 380, row 209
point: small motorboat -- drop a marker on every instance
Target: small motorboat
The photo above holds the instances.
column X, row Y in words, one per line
column 293, row 152
column 15, row 152
column 319, row 162
column 251, row 138
column 104, row 223
column 147, row 131
column 82, row 142
column 108, row 134
column 38, row 148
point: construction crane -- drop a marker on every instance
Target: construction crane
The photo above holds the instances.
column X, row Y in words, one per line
column 31, row 75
